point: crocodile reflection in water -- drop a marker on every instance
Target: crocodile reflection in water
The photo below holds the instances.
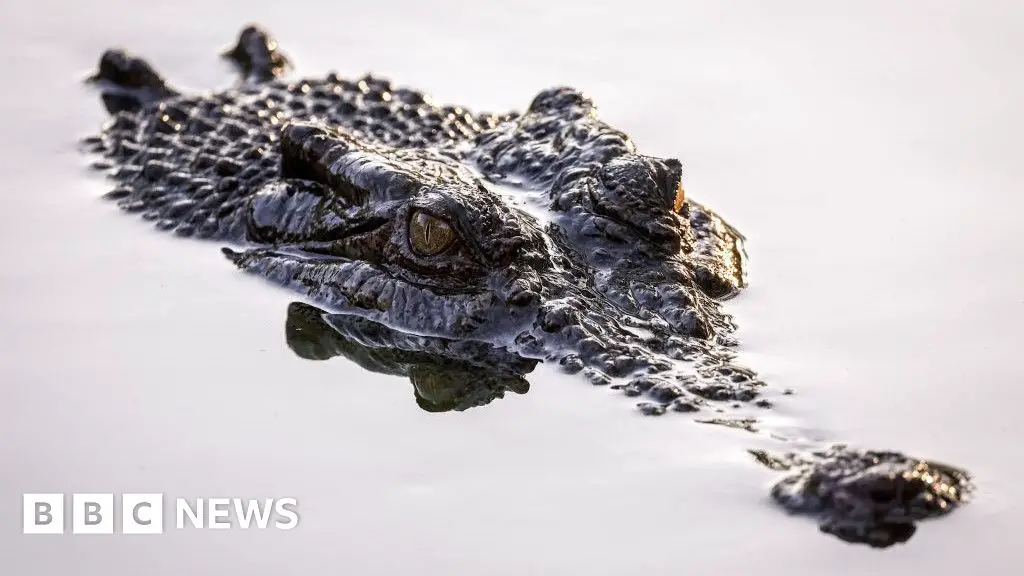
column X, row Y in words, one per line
column 544, row 234
column 446, row 375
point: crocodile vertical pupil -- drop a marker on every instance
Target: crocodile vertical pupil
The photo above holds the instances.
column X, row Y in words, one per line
column 429, row 235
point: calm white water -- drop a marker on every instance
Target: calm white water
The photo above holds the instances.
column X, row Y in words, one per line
column 869, row 150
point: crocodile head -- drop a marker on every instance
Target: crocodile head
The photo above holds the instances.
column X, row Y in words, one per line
column 425, row 243
column 405, row 237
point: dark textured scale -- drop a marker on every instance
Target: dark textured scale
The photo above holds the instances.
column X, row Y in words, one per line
column 127, row 172
column 208, row 229
column 346, row 109
column 118, row 193
column 228, row 166
column 124, row 149
column 378, row 111
column 156, row 169
column 204, row 162
column 178, row 179
column 124, row 123
column 228, row 184
column 408, row 96
column 198, row 216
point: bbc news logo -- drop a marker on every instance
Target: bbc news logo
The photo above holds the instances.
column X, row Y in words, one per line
column 144, row 513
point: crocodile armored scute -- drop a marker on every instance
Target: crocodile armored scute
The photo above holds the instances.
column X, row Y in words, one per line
column 459, row 249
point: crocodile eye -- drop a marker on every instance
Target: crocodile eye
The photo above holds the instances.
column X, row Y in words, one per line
column 429, row 235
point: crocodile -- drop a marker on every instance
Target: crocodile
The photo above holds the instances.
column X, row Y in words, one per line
column 461, row 248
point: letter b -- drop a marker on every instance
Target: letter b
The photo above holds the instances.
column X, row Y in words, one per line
column 43, row 514
column 92, row 513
